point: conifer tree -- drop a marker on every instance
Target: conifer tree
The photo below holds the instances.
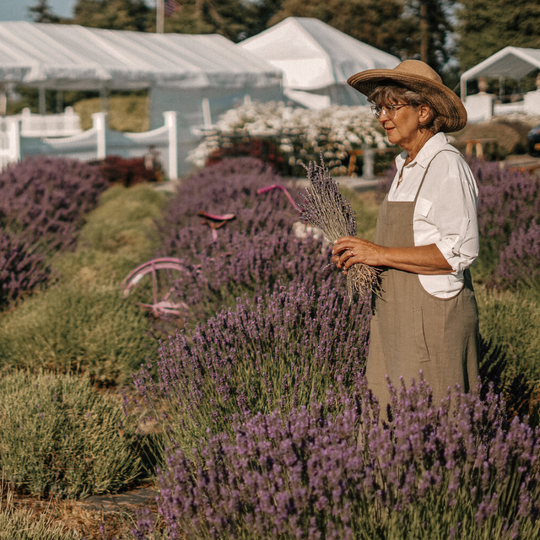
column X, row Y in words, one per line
column 114, row 14
column 485, row 27
column 42, row 12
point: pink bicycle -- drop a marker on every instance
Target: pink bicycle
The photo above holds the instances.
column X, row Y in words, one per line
column 153, row 283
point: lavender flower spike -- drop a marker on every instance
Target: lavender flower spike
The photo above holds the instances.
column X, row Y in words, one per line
column 328, row 210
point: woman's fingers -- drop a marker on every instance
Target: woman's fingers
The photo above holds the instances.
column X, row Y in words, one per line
column 348, row 250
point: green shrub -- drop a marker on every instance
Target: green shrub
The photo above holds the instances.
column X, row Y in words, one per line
column 511, row 319
column 58, row 436
column 123, row 223
column 80, row 327
column 125, row 113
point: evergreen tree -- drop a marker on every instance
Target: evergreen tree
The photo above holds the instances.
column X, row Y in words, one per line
column 487, row 26
column 226, row 17
column 430, row 29
column 42, row 12
column 114, row 14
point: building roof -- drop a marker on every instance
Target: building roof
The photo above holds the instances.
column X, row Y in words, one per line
column 74, row 57
column 510, row 62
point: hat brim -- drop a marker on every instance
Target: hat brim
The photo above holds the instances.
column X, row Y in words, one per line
column 447, row 104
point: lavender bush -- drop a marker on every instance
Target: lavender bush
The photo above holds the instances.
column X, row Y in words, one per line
column 249, row 253
column 59, row 436
column 22, row 268
column 509, row 200
column 335, row 471
column 249, row 265
column 278, row 351
column 45, row 198
column 229, row 187
column 519, row 261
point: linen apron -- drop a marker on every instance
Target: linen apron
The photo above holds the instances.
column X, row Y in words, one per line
column 412, row 330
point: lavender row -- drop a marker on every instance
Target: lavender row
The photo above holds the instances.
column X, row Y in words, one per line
column 41, row 209
column 278, row 351
column 22, row 268
column 335, row 471
column 229, row 187
column 45, row 198
column 250, row 264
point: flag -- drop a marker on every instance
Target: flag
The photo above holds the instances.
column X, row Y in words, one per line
column 171, row 7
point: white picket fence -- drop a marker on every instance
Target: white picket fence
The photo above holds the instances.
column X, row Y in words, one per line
column 95, row 143
column 50, row 125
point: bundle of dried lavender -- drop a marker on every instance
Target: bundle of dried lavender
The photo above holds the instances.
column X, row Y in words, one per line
column 328, row 210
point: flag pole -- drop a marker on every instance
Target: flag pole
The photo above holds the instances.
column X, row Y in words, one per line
column 160, row 16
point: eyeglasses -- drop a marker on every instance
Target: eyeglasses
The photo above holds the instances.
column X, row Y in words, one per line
column 390, row 110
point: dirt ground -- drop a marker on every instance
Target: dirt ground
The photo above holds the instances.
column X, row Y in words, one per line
column 105, row 517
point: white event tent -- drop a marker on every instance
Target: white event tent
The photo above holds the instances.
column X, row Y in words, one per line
column 510, row 63
column 195, row 75
column 317, row 60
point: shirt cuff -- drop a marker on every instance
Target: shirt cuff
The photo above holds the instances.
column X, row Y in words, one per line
column 454, row 258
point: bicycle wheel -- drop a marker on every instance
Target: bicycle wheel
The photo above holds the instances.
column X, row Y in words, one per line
column 153, row 284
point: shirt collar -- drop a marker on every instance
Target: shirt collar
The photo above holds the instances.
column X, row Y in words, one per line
column 427, row 152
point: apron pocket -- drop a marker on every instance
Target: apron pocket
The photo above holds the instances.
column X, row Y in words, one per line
column 420, row 338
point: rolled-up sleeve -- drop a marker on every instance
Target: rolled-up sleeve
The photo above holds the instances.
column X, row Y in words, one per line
column 455, row 215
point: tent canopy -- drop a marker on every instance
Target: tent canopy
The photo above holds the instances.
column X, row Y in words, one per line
column 510, row 62
column 314, row 55
column 74, row 57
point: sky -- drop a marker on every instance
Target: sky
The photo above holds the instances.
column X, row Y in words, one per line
column 17, row 10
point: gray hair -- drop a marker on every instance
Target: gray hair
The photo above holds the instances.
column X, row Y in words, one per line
column 386, row 95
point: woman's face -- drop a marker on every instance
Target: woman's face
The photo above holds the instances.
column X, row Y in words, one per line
column 402, row 125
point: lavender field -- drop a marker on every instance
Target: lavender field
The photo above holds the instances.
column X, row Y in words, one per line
column 249, row 411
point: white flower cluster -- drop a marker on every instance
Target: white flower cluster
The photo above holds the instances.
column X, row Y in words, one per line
column 298, row 133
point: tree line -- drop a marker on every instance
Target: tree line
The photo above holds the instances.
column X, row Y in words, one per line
column 435, row 31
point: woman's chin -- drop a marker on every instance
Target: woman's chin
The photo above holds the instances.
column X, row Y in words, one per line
column 392, row 136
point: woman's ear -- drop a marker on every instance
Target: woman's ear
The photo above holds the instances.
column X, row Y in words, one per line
column 425, row 114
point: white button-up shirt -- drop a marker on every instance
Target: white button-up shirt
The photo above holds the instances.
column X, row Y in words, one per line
column 445, row 212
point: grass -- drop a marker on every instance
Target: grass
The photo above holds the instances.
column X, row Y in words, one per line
column 366, row 208
column 125, row 113
column 23, row 524
column 67, row 440
column 511, row 319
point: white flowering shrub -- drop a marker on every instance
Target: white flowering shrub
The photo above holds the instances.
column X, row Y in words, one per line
column 297, row 134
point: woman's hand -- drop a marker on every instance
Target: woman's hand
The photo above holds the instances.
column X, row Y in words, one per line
column 426, row 260
column 350, row 250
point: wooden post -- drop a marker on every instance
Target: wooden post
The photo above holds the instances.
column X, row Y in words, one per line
column 160, row 16
column 424, row 33
column 42, row 101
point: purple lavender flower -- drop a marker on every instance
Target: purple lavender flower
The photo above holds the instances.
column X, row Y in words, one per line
column 334, row 470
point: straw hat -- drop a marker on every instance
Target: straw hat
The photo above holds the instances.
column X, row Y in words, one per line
column 419, row 77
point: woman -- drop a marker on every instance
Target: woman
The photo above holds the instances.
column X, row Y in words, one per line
column 425, row 316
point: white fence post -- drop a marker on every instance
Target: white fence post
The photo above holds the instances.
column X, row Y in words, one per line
column 10, row 143
column 207, row 116
column 171, row 123
column 14, row 138
column 369, row 162
column 99, row 123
